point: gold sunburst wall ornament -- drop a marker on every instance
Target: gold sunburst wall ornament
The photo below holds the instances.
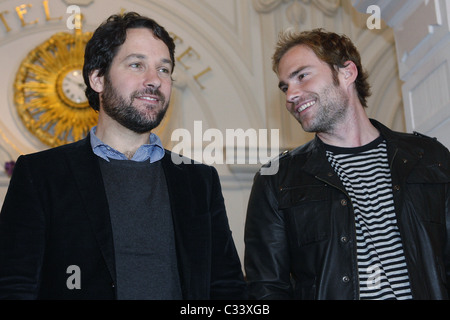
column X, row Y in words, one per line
column 49, row 90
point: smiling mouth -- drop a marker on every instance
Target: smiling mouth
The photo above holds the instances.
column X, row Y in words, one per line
column 305, row 106
column 152, row 99
column 151, row 95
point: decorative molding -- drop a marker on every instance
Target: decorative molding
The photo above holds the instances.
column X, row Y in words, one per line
column 329, row 7
column 418, row 27
column 422, row 34
column 78, row 2
column 267, row 6
column 296, row 12
column 391, row 11
column 427, row 98
column 431, row 92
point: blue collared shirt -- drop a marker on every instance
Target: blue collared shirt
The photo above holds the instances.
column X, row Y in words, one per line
column 152, row 151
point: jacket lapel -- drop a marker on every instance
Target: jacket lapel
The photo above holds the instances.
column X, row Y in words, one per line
column 323, row 171
column 182, row 206
column 86, row 170
column 402, row 157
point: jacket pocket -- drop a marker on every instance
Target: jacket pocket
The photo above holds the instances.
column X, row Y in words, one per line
column 433, row 173
column 305, row 290
column 426, row 192
column 296, row 196
column 307, row 211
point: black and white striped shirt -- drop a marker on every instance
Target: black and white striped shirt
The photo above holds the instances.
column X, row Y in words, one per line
column 366, row 176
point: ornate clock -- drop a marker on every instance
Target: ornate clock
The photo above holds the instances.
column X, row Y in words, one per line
column 49, row 90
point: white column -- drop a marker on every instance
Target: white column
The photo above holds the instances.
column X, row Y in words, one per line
column 422, row 36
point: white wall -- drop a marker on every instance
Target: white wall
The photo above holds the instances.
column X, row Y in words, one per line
column 422, row 34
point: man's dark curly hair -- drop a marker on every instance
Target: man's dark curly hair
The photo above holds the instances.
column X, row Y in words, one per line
column 106, row 41
column 329, row 47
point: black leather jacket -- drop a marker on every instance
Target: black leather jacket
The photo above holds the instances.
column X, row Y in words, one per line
column 300, row 228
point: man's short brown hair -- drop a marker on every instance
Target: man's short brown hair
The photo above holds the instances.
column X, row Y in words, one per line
column 329, row 47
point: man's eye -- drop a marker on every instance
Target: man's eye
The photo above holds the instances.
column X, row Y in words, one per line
column 164, row 71
column 135, row 65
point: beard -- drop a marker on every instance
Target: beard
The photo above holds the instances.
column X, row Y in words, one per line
column 332, row 106
column 124, row 112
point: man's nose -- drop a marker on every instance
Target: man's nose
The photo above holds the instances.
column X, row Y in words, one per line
column 293, row 94
column 152, row 79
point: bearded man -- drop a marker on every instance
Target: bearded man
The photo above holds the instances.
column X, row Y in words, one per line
column 111, row 216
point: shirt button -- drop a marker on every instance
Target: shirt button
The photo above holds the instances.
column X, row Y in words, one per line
column 343, row 202
column 345, row 279
column 397, row 187
column 344, row 239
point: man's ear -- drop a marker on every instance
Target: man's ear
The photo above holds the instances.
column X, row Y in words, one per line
column 348, row 73
column 96, row 81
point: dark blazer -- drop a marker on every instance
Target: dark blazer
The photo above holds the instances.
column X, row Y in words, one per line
column 55, row 215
